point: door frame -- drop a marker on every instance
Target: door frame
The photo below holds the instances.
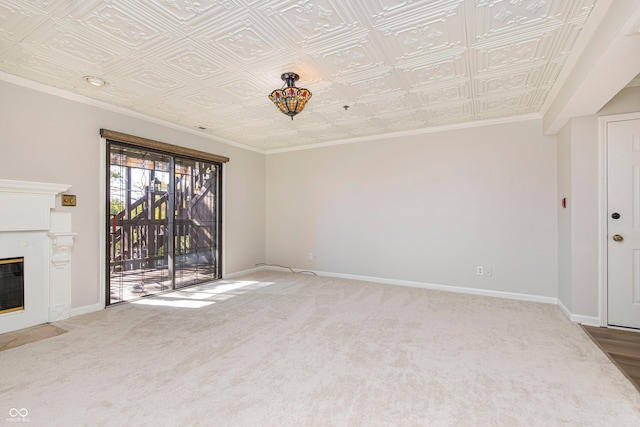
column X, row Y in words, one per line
column 603, row 199
column 102, row 194
column 102, row 216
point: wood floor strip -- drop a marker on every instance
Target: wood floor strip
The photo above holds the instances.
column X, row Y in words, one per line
column 632, row 370
column 622, row 348
column 28, row 335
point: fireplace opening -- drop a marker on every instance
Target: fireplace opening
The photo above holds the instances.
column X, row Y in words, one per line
column 11, row 285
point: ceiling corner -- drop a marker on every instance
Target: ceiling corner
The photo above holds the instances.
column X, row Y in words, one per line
column 608, row 61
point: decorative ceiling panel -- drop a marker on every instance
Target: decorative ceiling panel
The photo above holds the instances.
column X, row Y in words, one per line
column 423, row 31
column 120, row 22
column 398, row 65
column 188, row 15
column 436, row 96
column 440, row 71
column 308, row 20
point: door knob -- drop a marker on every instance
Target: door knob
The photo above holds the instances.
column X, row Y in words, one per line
column 615, row 215
column 618, row 238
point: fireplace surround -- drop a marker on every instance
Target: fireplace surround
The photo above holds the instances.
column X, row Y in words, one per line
column 32, row 230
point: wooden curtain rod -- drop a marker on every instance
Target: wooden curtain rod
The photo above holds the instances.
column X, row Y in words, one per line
column 160, row 146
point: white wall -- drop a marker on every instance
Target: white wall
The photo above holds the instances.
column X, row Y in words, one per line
column 579, row 288
column 584, row 216
column 565, row 252
column 427, row 208
column 53, row 139
column 627, row 101
column 578, row 224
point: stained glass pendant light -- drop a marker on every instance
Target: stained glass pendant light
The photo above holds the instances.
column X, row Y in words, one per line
column 290, row 99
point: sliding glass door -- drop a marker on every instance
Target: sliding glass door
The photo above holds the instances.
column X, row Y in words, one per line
column 196, row 231
column 164, row 222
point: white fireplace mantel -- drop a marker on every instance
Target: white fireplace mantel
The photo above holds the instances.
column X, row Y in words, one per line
column 27, row 205
column 30, row 229
column 30, row 187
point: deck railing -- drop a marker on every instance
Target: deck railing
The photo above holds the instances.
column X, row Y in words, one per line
column 139, row 235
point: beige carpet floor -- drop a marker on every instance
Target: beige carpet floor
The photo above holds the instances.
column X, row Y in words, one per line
column 282, row 349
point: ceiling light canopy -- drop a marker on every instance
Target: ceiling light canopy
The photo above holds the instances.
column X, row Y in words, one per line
column 95, row 81
column 290, row 99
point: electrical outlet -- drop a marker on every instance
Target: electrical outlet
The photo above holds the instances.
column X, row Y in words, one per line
column 310, row 256
column 480, row 270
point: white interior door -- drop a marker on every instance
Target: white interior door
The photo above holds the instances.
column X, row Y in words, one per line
column 623, row 223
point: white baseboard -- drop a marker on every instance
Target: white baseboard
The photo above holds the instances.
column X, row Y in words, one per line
column 586, row 320
column 583, row 320
column 448, row 288
column 86, row 309
column 564, row 309
column 242, row 273
column 431, row 286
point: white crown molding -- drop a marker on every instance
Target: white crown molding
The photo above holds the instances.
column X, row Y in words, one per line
column 435, row 129
column 41, row 87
